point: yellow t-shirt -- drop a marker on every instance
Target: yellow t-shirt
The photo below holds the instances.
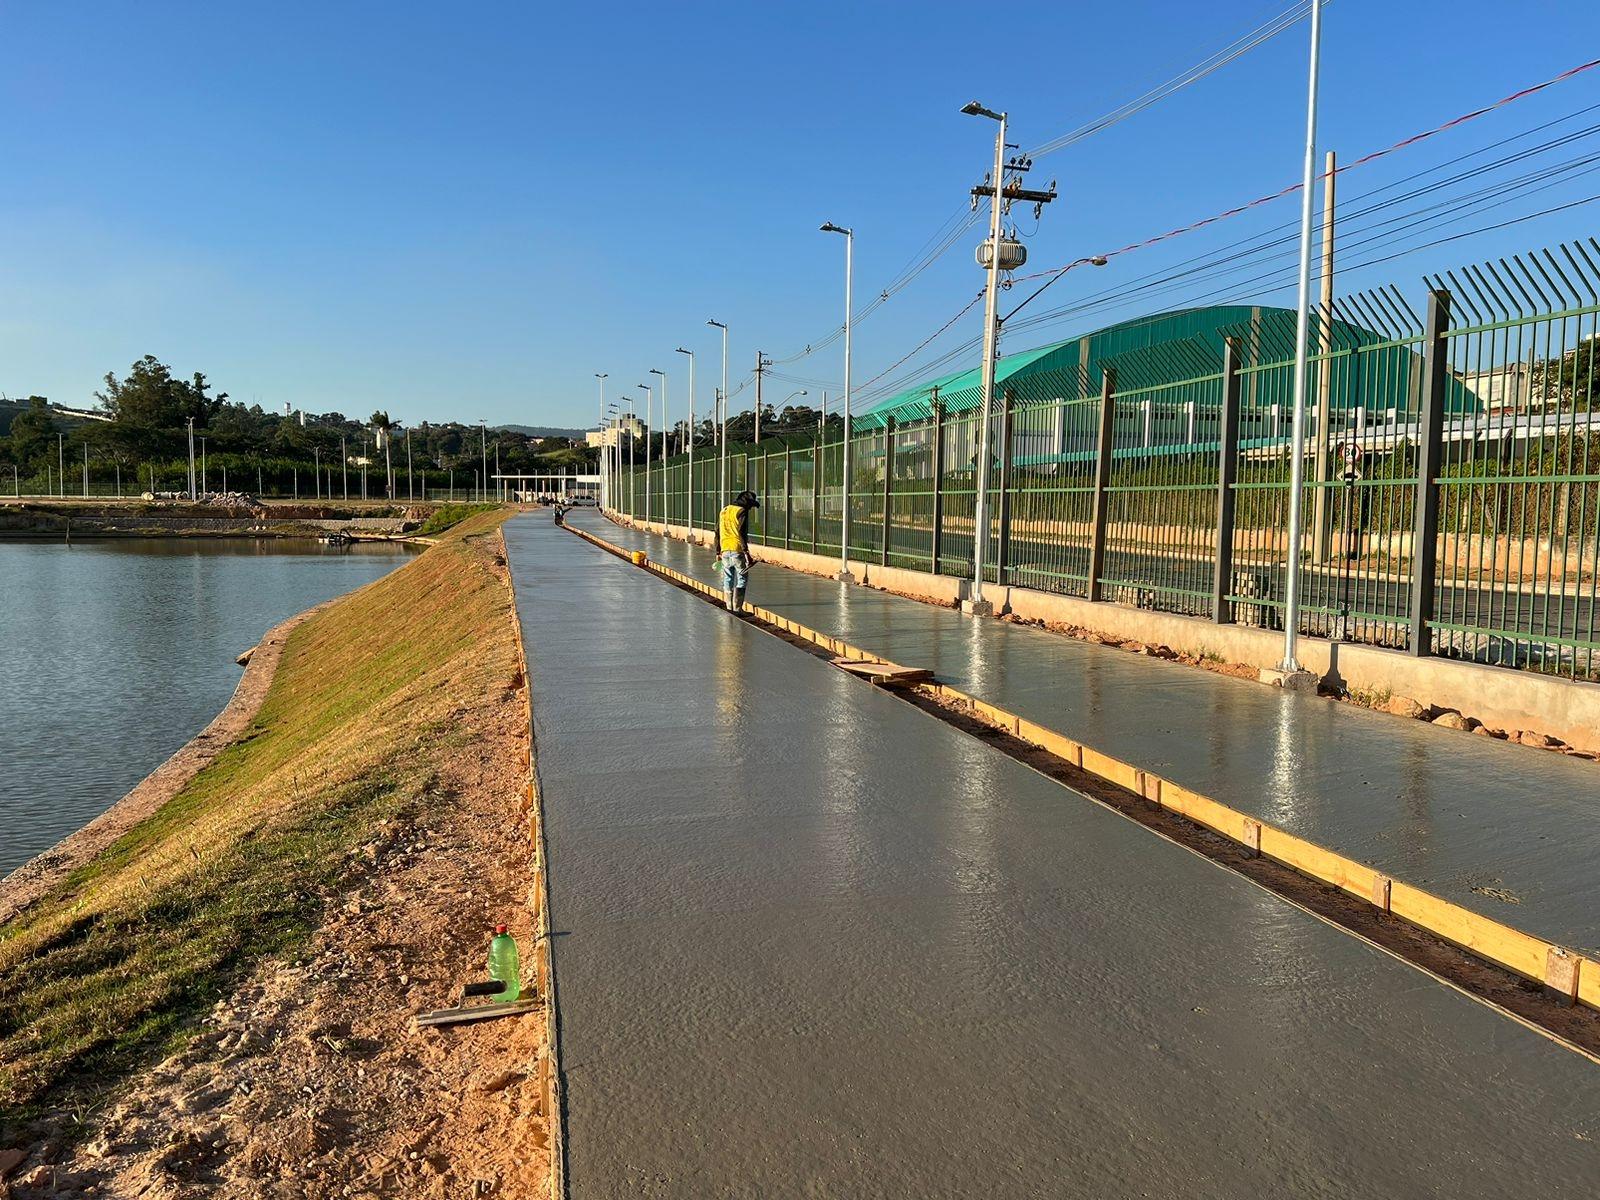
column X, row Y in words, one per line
column 731, row 523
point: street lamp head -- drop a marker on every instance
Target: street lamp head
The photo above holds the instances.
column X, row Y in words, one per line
column 718, row 324
column 681, row 350
column 830, row 227
column 601, row 375
column 974, row 109
column 657, row 371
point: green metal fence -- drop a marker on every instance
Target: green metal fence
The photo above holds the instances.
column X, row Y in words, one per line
column 1451, row 483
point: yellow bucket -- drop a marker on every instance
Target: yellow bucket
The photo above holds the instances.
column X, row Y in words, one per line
column 639, row 558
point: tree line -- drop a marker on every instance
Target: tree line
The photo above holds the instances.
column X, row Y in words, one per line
column 138, row 437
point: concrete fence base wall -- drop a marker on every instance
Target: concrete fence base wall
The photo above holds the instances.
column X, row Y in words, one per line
column 1500, row 697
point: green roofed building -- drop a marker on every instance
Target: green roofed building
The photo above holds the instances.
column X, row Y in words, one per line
column 1168, row 370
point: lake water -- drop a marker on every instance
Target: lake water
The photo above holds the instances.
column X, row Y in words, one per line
column 114, row 654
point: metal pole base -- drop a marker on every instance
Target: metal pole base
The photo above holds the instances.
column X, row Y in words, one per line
column 845, row 577
column 977, row 608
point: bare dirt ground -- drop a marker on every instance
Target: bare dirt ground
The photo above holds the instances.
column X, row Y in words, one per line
column 308, row 1079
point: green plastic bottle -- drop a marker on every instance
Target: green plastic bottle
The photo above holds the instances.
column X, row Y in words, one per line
column 505, row 965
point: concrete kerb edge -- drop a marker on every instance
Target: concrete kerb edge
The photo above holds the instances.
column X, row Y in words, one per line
column 1499, row 697
column 1512, row 949
column 539, row 901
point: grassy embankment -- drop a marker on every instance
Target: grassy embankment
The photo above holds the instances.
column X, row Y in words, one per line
column 448, row 516
column 116, row 964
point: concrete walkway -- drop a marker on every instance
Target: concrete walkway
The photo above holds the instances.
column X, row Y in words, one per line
column 1507, row 830
column 811, row 943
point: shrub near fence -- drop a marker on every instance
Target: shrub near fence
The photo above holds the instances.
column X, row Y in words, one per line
column 1452, row 477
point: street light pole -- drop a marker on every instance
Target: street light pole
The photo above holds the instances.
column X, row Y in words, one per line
column 690, row 439
column 1290, row 666
column 192, row 493
column 663, row 374
column 977, row 605
column 650, row 397
column 722, row 422
column 844, row 482
column 483, row 479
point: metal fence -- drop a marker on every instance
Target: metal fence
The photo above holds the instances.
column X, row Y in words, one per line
column 1452, row 477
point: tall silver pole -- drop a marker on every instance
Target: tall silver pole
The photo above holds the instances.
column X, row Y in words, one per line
column 483, row 479
column 1297, row 450
column 689, row 447
column 721, row 420
column 192, row 493
column 991, row 336
column 844, row 489
column 649, row 395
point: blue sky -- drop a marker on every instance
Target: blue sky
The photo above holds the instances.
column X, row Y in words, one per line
column 464, row 211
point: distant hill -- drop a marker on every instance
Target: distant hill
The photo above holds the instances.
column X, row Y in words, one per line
column 544, row 431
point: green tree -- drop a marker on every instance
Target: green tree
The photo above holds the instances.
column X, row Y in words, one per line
column 149, row 408
column 33, row 431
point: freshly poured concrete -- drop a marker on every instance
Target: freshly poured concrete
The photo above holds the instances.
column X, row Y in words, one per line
column 811, row 942
column 1506, row 830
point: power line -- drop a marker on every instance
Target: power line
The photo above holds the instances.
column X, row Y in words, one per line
column 1237, row 49
column 1111, row 297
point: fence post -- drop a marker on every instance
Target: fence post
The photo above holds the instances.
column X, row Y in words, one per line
column 888, row 486
column 938, row 482
column 1102, row 480
column 1002, row 560
column 788, row 495
column 1430, row 441
column 816, row 489
column 1227, row 476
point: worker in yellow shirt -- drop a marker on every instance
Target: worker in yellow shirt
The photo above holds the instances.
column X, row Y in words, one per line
column 733, row 548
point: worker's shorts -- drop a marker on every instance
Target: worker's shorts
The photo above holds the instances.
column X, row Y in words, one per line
column 735, row 569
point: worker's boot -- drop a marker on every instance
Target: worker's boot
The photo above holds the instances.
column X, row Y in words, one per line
column 730, row 597
column 738, row 599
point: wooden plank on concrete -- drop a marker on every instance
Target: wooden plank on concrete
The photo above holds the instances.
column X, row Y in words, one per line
column 883, row 673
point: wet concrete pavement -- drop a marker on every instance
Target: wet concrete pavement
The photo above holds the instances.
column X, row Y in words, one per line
column 1509, row 831
column 810, row 942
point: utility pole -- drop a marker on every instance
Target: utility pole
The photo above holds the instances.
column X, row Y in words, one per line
column 1294, row 675
column 61, row 465
column 316, row 456
column 762, row 363
column 1002, row 192
column 483, row 427
column 192, row 493
column 344, row 465
column 411, row 487
column 86, row 470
